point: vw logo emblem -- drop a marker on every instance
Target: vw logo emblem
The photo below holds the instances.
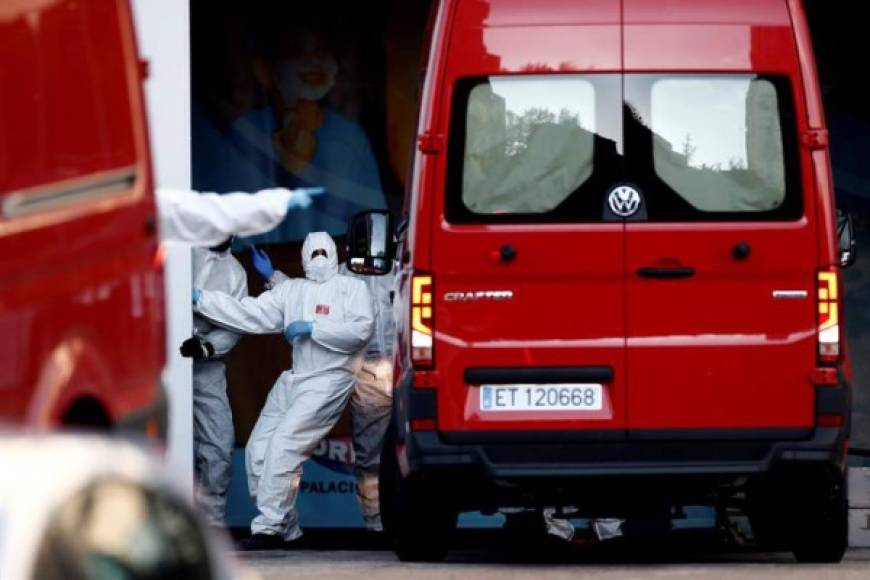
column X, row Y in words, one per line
column 624, row 200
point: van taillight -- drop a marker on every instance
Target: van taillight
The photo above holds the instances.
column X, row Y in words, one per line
column 829, row 316
column 421, row 321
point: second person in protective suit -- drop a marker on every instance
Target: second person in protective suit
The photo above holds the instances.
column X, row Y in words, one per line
column 328, row 318
column 215, row 269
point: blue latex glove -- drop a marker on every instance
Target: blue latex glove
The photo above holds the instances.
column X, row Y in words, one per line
column 196, row 294
column 302, row 197
column 262, row 263
column 297, row 329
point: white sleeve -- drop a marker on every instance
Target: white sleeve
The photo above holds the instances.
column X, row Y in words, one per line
column 261, row 315
column 207, row 219
column 221, row 339
column 277, row 277
column 353, row 333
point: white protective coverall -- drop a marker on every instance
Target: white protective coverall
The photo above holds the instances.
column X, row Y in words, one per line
column 207, row 219
column 372, row 400
column 213, row 435
column 306, row 401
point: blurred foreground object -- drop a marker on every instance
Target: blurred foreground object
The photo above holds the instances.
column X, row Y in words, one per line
column 83, row 507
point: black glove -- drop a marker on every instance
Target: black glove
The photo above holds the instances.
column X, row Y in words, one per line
column 196, row 348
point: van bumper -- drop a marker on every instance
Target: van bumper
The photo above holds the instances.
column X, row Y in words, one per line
column 523, row 458
column 696, row 453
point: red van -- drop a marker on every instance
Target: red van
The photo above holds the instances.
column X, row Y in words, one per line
column 620, row 284
column 81, row 290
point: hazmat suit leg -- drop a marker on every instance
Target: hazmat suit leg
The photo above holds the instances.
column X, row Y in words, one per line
column 371, row 405
column 213, row 438
column 314, row 406
column 270, row 417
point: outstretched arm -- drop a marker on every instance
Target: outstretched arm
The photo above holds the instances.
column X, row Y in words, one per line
column 261, row 315
column 207, row 219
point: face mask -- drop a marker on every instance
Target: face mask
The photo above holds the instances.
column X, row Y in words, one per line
column 291, row 72
column 320, row 269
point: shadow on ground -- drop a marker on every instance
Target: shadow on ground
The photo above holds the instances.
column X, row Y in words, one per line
column 495, row 546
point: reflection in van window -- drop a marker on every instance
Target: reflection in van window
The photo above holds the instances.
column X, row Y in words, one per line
column 528, row 143
column 718, row 142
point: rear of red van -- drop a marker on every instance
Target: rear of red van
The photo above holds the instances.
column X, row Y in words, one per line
column 620, row 270
column 81, row 287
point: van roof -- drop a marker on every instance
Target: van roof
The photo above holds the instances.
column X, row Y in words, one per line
column 505, row 13
column 499, row 36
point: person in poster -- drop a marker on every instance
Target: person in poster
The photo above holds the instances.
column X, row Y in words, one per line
column 298, row 140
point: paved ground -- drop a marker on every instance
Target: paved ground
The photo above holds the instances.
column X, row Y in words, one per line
column 470, row 566
column 484, row 561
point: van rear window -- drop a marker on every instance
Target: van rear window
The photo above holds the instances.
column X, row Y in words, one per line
column 549, row 148
column 532, row 147
column 712, row 147
column 527, row 135
column 718, row 142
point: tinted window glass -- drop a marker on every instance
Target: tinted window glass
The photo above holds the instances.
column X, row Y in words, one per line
column 719, row 143
column 712, row 147
column 528, row 143
column 533, row 148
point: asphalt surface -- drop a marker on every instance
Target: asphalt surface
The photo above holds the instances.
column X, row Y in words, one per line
column 490, row 558
column 472, row 565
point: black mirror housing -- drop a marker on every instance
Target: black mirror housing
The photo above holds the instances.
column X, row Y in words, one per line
column 846, row 236
column 371, row 243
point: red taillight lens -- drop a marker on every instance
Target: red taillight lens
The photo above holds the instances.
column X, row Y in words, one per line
column 421, row 321
column 829, row 316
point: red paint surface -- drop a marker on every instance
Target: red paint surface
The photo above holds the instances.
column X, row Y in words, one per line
column 81, row 295
column 712, row 351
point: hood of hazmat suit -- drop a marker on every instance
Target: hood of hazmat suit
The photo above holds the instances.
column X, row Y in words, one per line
column 319, row 268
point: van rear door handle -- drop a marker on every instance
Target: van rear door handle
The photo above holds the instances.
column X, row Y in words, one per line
column 670, row 273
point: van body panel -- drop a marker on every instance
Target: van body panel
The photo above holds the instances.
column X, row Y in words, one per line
column 719, row 349
column 707, row 36
column 715, row 12
column 520, row 13
column 81, row 288
column 735, row 356
column 819, row 167
column 491, row 37
column 566, row 302
column 566, row 310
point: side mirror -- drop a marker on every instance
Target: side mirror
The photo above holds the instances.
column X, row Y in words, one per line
column 846, row 235
column 371, row 243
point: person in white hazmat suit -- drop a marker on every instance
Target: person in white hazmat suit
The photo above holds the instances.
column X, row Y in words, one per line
column 214, row 269
column 328, row 318
column 372, row 399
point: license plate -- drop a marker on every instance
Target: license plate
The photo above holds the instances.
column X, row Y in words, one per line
column 568, row 397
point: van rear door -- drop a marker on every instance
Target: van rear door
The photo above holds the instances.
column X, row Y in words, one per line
column 720, row 276
column 720, row 271
column 528, row 278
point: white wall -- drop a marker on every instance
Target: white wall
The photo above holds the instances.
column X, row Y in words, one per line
column 163, row 30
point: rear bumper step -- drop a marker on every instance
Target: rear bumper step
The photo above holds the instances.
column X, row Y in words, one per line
column 430, row 451
column 572, row 454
